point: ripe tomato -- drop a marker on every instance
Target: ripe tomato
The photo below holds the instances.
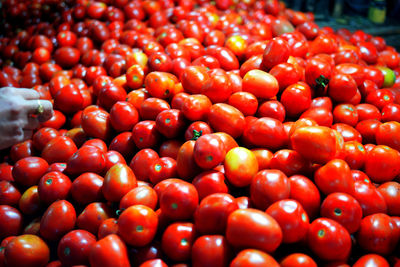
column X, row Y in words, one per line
column 371, row 259
column 304, row 191
column 209, row 151
column 226, row 118
column 261, row 84
column 29, row 203
column 109, row 251
column 96, row 122
column 59, row 149
column 10, row 221
column 329, row 240
column 253, row 257
column 118, row 181
column 86, row 159
column 296, row 98
column 240, row 166
column 29, row 170
column 137, row 225
column 93, row 216
column 53, row 186
column 143, row 195
column 265, row 133
column 210, row 250
column 163, row 168
column 177, row 240
column 276, row 51
column 382, row 164
column 170, row 123
column 123, row 116
column 298, row 259
column 87, row 188
column 210, row 182
column 391, row 193
column 185, row 163
column 196, row 107
column 74, row 248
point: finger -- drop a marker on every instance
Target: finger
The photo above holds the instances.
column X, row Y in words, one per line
column 27, row 134
column 47, row 111
column 32, row 122
column 28, row 94
column 33, row 106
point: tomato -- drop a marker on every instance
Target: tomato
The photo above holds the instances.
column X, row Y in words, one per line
column 9, row 194
column 29, row 203
column 194, row 78
column 334, row 176
column 329, row 240
column 107, row 227
column 240, row 166
column 123, row 116
column 369, row 198
column 342, row 87
column 388, row 134
column 92, row 217
column 196, row 107
column 86, row 159
column 266, row 133
column 43, row 136
column 298, row 259
column 296, row 98
column 253, row 228
column 74, row 248
column 289, row 162
column 141, row 162
column 96, row 122
column 382, row 164
column 391, row 193
column 170, row 123
column 209, row 151
column 377, row 234
column 226, row 118
column 143, row 195
column 253, row 257
column 10, row 221
column 137, row 225
column 390, row 112
column 317, row 73
column 261, row 84
column 27, row 250
column 87, row 188
column 210, row 182
column 163, row 168
column 186, row 164
column 276, row 51
column 177, row 241
column 178, row 201
column 53, row 186
column 109, row 251
column 389, row 76
column 245, row 102
column 306, row 193
column 210, row 250
column 58, row 219
column 59, row 149
column 371, row 259
column 118, row 181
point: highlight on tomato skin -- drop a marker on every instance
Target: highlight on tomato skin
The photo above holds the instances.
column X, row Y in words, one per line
column 197, row 133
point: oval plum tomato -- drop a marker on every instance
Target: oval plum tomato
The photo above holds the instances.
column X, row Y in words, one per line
column 354, row 154
column 391, row 193
column 108, row 227
column 286, row 74
column 53, row 186
column 178, row 201
column 289, row 162
column 58, row 219
column 367, row 112
column 265, row 133
column 298, row 259
column 123, row 116
column 96, row 122
column 306, row 193
column 209, row 151
column 74, row 248
column 377, row 234
column 253, row 63
column 322, row 116
column 329, row 240
column 68, row 99
column 194, row 78
column 27, row 250
column 145, row 134
column 296, row 98
column 388, row 134
column 245, row 102
column 315, row 143
column 267, row 187
column 43, row 136
column 226, row 118
column 29, row 170
column 118, row 181
column 92, row 217
column 292, row 219
column 210, row 182
column 371, row 259
column 382, row 164
column 86, row 159
column 163, row 168
column 252, row 228
column 212, row 214
column 391, row 112
column 170, row 123
column 334, row 176
column 141, row 195
column 160, row 84
column 10, row 221
column 342, row 87
column 369, row 198
column 276, row 51
column 86, row 188
column 253, row 257
column 109, row 251
column 344, row 209
column 29, row 203
column 59, row 149
column 219, row 88
column 137, row 225
column 177, row 241
column 261, row 84
column 67, row 57
column 210, row 250
column 141, row 162
column 272, row 109
column 345, row 113
column 240, row 166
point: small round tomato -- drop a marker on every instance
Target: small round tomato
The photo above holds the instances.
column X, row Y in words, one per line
column 212, row 214
column 382, row 164
column 177, row 241
column 371, row 260
column 276, row 51
column 196, row 107
column 322, row 116
column 266, row 133
column 53, row 186
column 240, row 166
column 58, row 219
column 86, row 159
column 9, row 194
column 194, row 78
column 87, row 188
column 253, row 257
column 145, row 134
column 391, row 193
column 162, row 168
column 92, row 217
column 123, row 116
column 369, row 198
column 296, row 98
column 118, row 181
column 342, row 87
column 388, row 134
column 107, row 227
column 377, row 234
column 170, row 123
column 137, row 225
column 345, row 113
column 289, row 162
column 109, row 251
column 141, row 195
column 245, row 102
column 334, row 176
column 209, row 151
column 354, row 154
column 253, row 228
column 219, row 87
column 261, row 84
column 329, row 240
column 43, row 136
column 292, row 219
column 29, row 203
column 391, row 112
column 59, row 149
column 96, row 122
column 210, row 250
column 298, row 259
column 27, row 250
column 210, row 182
column 272, row 109
column 141, row 162
column 10, row 221
column 74, row 248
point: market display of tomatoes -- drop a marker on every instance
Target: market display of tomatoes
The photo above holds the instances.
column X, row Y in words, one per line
column 199, row 133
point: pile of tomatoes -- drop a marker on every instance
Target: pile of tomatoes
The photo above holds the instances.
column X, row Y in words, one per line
column 197, row 133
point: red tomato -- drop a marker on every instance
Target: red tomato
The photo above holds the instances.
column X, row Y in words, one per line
column 261, row 84
column 226, row 118
column 296, row 98
column 304, row 191
column 143, row 195
column 265, row 133
column 141, row 162
column 86, row 159
column 371, row 259
column 59, row 149
column 298, row 259
column 196, row 107
column 329, row 240
column 185, row 163
column 253, row 257
column 27, row 250
column 96, row 122
column 289, row 162
column 53, row 186
column 163, row 168
column 177, row 241
column 209, row 151
column 137, row 225
column 388, row 134
column 87, row 188
column 382, row 164
column 369, row 198
column 210, row 250
column 210, row 182
column 253, row 228
column 29, row 170
column 29, row 203
column 276, row 51
column 245, row 102
column 58, row 219
column 342, row 87
column 118, row 181
column 10, row 221
column 108, row 227
column 109, row 251
column 391, row 193
column 93, row 216
column 74, row 248
column 123, row 116
column 170, row 123
column 212, row 214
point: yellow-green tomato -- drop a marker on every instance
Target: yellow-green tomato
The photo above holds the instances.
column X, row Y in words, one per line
column 240, row 166
column 389, row 77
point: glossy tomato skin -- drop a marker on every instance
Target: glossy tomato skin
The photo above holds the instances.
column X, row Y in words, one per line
column 29, row 170
column 209, row 151
column 306, row 192
column 377, row 234
column 59, row 149
column 86, row 159
column 170, row 123
column 137, row 225
column 369, row 198
column 289, row 162
column 253, row 257
column 92, row 217
column 86, row 188
column 177, row 241
column 58, row 219
column 109, row 251
column 145, row 134
column 96, row 122
column 298, row 259
column 118, row 181
column 344, row 209
column 30, row 203
column 296, row 98
column 210, row 182
column 123, row 116
column 391, row 193
column 162, row 168
column 9, row 194
column 382, row 164
column 371, row 259
column 141, row 162
column 329, row 240
column 388, row 134
column 210, row 250
column 240, row 166
column 261, row 84
column 226, row 118
column 143, row 195
column 185, row 162
column 74, row 248
column 27, row 250
column 252, row 228
column 53, row 186
column 11, row 221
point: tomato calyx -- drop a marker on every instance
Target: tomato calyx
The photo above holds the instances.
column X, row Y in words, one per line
column 196, row 135
column 321, row 81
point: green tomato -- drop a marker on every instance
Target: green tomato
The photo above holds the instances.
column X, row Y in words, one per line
column 389, row 76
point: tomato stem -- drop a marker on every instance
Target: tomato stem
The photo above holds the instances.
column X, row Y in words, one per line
column 322, row 81
column 196, row 134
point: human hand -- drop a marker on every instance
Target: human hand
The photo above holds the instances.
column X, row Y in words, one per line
column 21, row 112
